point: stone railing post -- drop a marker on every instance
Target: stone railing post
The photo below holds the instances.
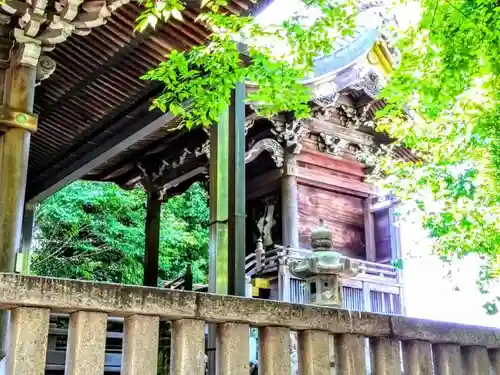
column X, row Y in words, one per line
column 233, row 346
column 187, row 355
column 27, row 344
column 140, row 345
column 417, row 358
column 86, row 343
column 386, row 357
column 314, row 353
column 274, row 351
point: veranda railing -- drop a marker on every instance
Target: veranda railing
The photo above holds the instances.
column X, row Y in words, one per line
column 422, row 347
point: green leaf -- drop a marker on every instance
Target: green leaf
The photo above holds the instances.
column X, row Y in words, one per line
column 176, row 14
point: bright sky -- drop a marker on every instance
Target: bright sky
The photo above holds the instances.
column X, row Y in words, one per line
column 428, row 292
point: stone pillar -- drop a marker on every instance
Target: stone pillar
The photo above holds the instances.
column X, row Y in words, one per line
column 17, row 87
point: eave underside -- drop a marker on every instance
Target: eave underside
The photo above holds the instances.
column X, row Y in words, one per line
column 96, row 93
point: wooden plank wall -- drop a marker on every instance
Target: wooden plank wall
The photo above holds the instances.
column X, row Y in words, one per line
column 343, row 215
column 333, row 191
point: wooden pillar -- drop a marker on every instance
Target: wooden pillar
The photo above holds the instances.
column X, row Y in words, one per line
column 227, row 199
column 152, row 246
column 18, row 103
column 370, row 248
column 27, row 234
column 237, row 204
column 289, row 203
column 17, row 89
column 226, row 273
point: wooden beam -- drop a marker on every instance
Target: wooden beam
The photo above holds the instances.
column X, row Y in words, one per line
column 107, row 150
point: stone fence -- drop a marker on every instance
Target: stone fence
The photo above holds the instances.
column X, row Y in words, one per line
column 326, row 337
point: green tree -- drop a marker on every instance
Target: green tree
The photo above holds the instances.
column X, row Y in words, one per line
column 443, row 103
column 95, row 231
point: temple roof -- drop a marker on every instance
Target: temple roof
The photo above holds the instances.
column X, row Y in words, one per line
column 95, row 92
column 94, row 118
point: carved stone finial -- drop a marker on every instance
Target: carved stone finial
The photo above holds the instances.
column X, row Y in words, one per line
column 321, row 238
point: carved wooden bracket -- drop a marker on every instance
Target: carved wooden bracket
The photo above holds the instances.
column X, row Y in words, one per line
column 40, row 24
column 343, row 143
column 290, row 134
column 270, row 145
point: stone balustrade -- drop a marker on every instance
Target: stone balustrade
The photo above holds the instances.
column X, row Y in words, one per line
column 428, row 348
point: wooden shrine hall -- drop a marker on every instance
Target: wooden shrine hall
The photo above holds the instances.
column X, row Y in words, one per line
column 75, row 108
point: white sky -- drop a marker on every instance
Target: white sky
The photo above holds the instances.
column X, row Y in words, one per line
column 428, row 293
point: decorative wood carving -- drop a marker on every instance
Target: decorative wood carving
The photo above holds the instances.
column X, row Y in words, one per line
column 249, row 123
column 45, row 67
column 290, row 133
column 270, row 145
column 41, row 24
column 370, row 84
column 266, row 223
column 204, row 149
column 340, row 141
column 355, row 118
column 327, row 100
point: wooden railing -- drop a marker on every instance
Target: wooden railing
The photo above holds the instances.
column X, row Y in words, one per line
column 326, row 337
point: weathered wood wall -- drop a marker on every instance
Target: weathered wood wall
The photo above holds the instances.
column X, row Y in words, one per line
column 343, row 215
column 332, row 189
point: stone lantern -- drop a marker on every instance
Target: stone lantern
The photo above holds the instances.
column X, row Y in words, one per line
column 324, row 269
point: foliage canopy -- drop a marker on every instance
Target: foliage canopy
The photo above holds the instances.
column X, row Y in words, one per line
column 95, row 231
column 443, row 103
